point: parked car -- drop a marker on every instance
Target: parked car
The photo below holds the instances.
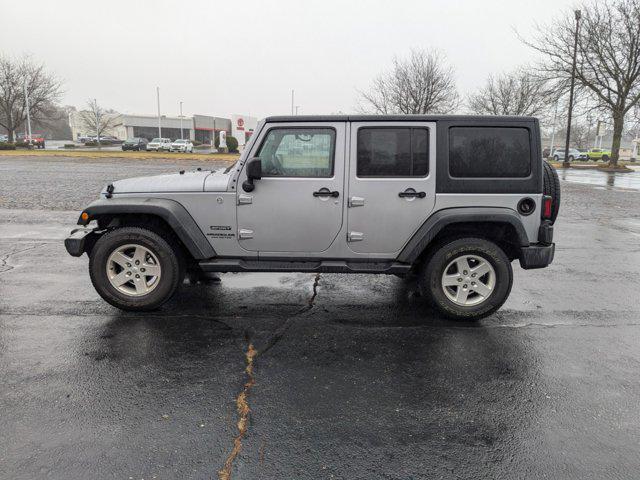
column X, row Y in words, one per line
column 599, row 154
column 339, row 194
column 110, row 139
column 136, row 144
column 574, row 154
column 159, row 145
column 4, row 138
column 182, row 146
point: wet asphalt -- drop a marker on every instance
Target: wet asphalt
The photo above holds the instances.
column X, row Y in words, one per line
column 356, row 377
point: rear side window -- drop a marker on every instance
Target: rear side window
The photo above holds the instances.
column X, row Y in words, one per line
column 393, row 152
column 489, row 152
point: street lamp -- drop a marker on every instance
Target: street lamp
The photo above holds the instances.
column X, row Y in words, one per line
column 181, row 136
column 565, row 162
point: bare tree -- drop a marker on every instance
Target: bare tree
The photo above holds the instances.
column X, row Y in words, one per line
column 43, row 90
column 97, row 120
column 608, row 57
column 421, row 84
column 515, row 93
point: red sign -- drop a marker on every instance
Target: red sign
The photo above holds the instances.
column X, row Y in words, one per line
column 240, row 124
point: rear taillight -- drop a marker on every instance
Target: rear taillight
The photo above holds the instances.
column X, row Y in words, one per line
column 547, row 207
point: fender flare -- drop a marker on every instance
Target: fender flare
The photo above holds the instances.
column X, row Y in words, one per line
column 440, row 219
column 172, row 212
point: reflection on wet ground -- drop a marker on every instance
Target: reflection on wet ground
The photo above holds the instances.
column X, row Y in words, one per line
column 629, row 180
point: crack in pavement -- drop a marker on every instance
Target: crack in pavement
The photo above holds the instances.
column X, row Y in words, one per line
column 4, row 258
column 242, row 407
column 280, row 331
column 242, row 403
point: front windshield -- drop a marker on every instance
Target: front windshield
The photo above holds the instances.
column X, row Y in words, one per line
column 156, row 140
column 180, row 141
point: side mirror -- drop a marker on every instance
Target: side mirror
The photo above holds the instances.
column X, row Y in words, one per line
column 254, row 172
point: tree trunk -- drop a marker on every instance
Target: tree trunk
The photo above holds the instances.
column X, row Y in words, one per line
column 618, row 124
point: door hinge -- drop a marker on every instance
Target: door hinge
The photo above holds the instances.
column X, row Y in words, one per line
column 244, row 233
column 356, row 202
column 355, row 236
column 245, row 199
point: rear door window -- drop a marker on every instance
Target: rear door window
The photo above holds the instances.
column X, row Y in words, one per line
column 489, row 152
column 393, row 152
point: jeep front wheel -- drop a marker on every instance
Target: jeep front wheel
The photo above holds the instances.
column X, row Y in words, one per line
column 135, row 269
column 467, row 278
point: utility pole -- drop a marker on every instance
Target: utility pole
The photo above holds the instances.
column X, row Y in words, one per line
column 553, row 132
column 159, row 120
column 26, row 99
column 181, row 135
column 565, row 162
column 292, row 102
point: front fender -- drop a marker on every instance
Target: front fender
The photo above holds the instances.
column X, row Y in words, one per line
column 172, row 212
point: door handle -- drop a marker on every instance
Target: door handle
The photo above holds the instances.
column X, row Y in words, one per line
column 410, row 192
column 325, row 192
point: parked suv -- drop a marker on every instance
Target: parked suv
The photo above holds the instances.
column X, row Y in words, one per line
column 599, row 154
column 159, row 144
column 451, row 200
column 574, row 154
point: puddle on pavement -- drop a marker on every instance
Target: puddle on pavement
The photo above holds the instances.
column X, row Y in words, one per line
column 256, row 280
column 627, row 181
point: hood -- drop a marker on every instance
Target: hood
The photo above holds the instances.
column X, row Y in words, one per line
column 193, row 181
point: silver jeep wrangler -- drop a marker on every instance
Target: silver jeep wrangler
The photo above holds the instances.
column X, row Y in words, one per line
column 452, row 200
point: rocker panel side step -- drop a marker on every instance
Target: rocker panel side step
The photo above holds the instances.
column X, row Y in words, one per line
column 325, row 266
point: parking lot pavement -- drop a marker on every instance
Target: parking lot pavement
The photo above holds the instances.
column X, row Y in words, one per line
column 355, row 377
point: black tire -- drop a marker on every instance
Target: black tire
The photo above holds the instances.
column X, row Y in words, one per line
column 571, row 159
column 551, row 187
column 430, row 278
column 169, row 257
column 605, row 158
column 556, row 158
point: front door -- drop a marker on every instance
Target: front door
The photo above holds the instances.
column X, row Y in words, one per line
column 297, row 205
column 391, row 184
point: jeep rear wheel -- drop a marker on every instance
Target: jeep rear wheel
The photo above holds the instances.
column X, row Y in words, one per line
column 467, row 278
column 134, row 268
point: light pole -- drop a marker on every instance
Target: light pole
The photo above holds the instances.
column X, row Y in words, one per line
column 159, row 120
column 26, row 100
column 292, row 101
column 181, row 135
column 565, row 162
column 97, row 110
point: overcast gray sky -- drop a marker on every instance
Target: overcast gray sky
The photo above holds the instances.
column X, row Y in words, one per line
column 223, row 57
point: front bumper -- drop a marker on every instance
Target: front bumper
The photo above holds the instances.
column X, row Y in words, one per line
column 78, row 241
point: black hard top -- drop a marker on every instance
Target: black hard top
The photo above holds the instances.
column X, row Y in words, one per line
column 398, row 118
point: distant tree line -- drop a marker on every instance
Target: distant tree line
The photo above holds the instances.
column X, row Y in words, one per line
column 607, row 74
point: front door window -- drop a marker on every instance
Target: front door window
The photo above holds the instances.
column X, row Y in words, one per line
column 298, row 152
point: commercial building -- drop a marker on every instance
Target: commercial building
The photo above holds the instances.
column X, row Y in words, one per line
column 201, row 128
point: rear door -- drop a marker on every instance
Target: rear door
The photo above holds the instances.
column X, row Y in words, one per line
column 391, row 183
